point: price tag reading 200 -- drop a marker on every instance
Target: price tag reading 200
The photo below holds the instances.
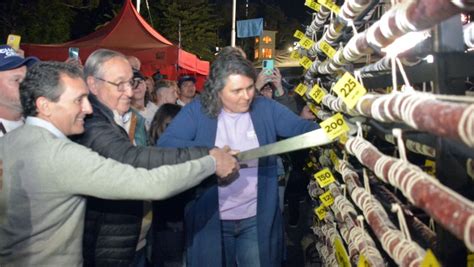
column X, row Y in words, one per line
column 324, row 177
column 349, row 89
column 334, row 126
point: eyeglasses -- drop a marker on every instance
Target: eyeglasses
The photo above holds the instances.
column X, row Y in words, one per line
column 137, row 82
column 121, row 86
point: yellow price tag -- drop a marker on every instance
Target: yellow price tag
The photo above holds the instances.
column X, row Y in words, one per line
column 362, row 261
column 343, row 138
column 341, row 254
column 313, row 108
column 301, row 89
column 349, row 89
column 317, row 93
column 330, row 5
column 306, row 43
column 13, row 41
column 306, row 62
column 295, row 55
column 430, row 260
column 298, row 34
column 338, row 28
column 334, row 126
column 313, row 5
column 324, row 177
column 327, row 49
column 430, row 167
column 320, row 212
column 470, row 259
column 327, row 199
column 334, row 158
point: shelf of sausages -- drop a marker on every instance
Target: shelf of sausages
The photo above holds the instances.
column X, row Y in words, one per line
column 404, row 17
column 454, row 212
column 421, row 111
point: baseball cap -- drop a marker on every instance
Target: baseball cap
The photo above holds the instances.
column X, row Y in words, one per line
column 186, row 78
column 9, row 59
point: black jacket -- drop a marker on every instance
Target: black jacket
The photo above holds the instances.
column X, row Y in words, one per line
column 112, row 228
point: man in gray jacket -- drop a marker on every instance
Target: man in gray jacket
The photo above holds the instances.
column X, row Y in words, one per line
column 44, row 175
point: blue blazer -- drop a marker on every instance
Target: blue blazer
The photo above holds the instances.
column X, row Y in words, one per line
column 192, row 127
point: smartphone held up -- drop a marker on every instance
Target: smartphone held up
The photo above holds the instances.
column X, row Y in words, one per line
column 267, row 66
column 74, row 53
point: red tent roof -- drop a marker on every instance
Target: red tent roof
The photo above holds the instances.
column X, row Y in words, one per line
column 130, row 34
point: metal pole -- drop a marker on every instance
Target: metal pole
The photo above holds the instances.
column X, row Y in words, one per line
column 138, row 6
column 234, row 7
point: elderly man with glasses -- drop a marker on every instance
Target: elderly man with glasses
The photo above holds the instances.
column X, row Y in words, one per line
column 115, row 231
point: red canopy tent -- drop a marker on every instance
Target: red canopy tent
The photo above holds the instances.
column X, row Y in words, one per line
column 130, row 34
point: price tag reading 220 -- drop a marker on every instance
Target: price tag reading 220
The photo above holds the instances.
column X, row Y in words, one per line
column 317, row 93
column 349, row 89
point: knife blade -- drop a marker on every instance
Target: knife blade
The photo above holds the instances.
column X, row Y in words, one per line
column 306, row 140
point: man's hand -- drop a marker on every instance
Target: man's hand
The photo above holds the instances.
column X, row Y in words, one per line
column 307, row 114
column 226, row 164
column 76, row 62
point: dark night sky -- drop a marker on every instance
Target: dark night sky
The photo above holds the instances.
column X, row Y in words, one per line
column 295, row 9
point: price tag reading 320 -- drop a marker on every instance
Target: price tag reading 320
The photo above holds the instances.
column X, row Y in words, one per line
column 334, row 126
column 349, row 89
column 324, row 177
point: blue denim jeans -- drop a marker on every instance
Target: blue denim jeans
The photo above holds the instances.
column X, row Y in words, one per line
column 240, row 242
column 140, row 259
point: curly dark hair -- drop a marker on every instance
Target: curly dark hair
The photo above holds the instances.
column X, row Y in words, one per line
column 160, row 120
column 229, row 61
column 44, row 79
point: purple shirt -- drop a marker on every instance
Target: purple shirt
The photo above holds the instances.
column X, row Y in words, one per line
column 239, row 199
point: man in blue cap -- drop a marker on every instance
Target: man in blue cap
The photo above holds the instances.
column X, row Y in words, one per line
column 12, row 72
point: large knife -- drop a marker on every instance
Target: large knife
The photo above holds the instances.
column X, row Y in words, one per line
column 307, row 140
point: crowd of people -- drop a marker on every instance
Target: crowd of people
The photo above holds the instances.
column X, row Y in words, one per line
column 103, row 166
